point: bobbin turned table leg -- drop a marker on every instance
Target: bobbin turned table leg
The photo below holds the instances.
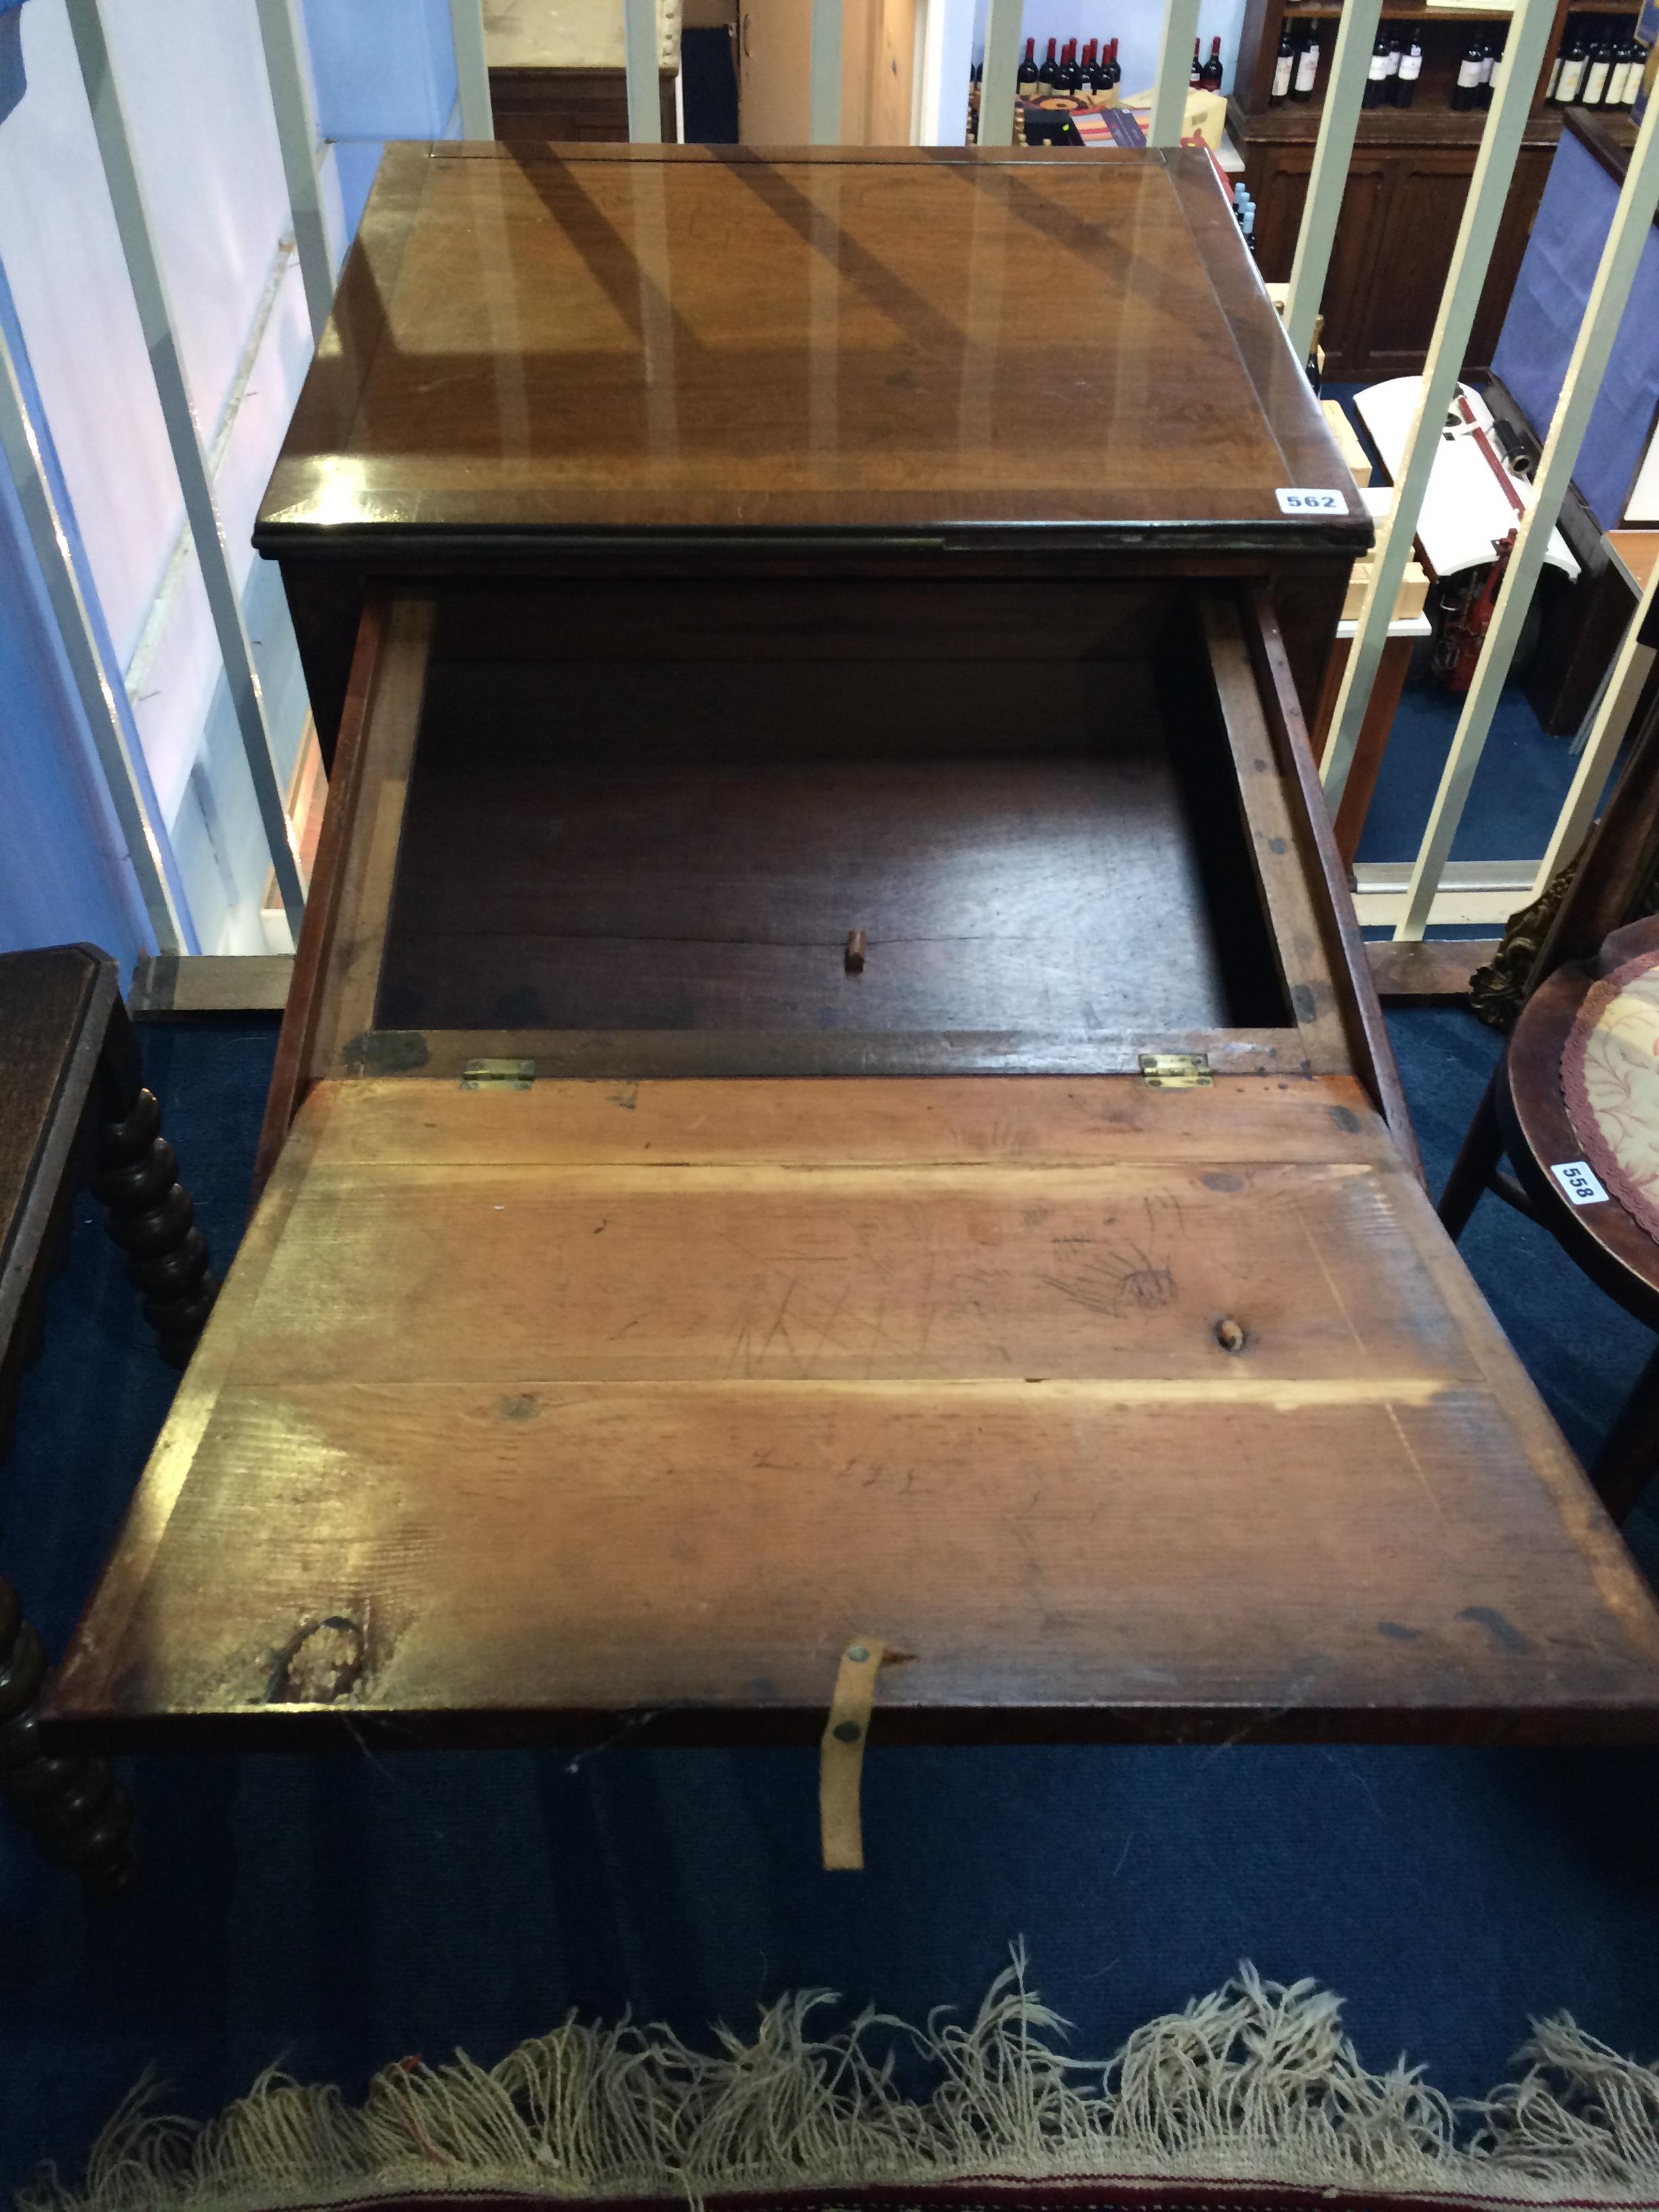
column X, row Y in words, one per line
column 75, row 1810
column 151, row 1215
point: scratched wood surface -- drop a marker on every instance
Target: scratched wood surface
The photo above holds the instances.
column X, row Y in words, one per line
column 610, row 1407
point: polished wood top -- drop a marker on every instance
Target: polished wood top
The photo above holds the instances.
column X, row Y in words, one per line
column 929, row 347
column 608, row 1407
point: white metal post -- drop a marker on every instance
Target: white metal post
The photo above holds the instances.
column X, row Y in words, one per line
column 1345, row 90
column 471, row 69
column 824, row 125
column 1483, row 211
column 1003, row 22
column 1175, row 69
column 1612, row 718
column 128, row 785
column 1632, row 219
column 642, row 55
column 201, row 510
column 296, row 135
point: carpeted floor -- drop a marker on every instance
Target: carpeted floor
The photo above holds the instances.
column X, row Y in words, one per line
column 339, row 1914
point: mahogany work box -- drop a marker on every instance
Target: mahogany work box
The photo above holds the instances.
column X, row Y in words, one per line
column 830, row 1090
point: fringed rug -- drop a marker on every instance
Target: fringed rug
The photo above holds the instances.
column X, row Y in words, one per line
column 1251, row 2098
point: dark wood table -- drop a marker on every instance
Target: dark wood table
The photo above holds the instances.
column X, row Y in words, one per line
column 73, row 1105
column 706, row 559
column 1609, row 1243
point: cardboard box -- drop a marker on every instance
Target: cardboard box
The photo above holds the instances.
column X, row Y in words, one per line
column 1414, row 591
column 1204, row 120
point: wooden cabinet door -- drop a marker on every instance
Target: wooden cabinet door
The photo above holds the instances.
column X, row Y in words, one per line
column 1281, row 193
column 1394, row 247
column 879, row 45
column 774, row 73
column 1408, row 270
column 1425, row 205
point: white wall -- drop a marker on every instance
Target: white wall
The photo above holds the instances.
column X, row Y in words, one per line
column 193, row 78
column 70, row 285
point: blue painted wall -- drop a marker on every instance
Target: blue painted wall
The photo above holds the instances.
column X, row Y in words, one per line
column 63, row 873
column 381, row 69
column 63, row 876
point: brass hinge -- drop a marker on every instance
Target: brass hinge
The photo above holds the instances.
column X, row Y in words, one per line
column 498, row 1075
column 1175, row 1070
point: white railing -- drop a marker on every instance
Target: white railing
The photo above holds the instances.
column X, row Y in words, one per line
column 1431, row 890
column 149, row 294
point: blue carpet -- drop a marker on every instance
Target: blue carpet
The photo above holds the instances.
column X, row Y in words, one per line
column 340, row 1913
column 1518, row 789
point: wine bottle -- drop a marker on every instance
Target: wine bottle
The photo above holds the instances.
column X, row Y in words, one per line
column 1210, row 75
column 1593, row 91
column 1114, row 69
column 1284, row 66
column 1048, row 71
column 1196, row 76
column 1307, row 71
column 1636, row 62
column 1391, row 80
column 1376, row 73
column 1411, row 68
column 1574, row 55
column 1494, row 83
column 1025, row 77
column 1466, row 91
column 1488, row 62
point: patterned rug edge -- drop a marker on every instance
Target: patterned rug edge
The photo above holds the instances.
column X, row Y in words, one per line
column 1251, row 2098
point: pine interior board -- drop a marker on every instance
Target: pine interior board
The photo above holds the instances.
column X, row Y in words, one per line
column 603, row 1406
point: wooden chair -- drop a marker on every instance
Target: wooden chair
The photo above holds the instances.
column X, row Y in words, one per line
column 1524, row 1111
column 73, row 1104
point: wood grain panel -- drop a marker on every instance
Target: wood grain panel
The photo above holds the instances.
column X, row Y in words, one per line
column 671, row 316
column 558, row 1453
column 661, row 1274
column 935, row 1121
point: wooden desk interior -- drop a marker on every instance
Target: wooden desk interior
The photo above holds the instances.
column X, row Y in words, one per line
column 675, row 825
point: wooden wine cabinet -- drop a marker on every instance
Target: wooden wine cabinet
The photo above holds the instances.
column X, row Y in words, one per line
column 1406, row 184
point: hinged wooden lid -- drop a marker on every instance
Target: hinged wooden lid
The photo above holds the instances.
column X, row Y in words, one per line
column 938, row 349
column 1120, row 1412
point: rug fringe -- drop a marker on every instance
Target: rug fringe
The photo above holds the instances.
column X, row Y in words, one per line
column 1255, row 2083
